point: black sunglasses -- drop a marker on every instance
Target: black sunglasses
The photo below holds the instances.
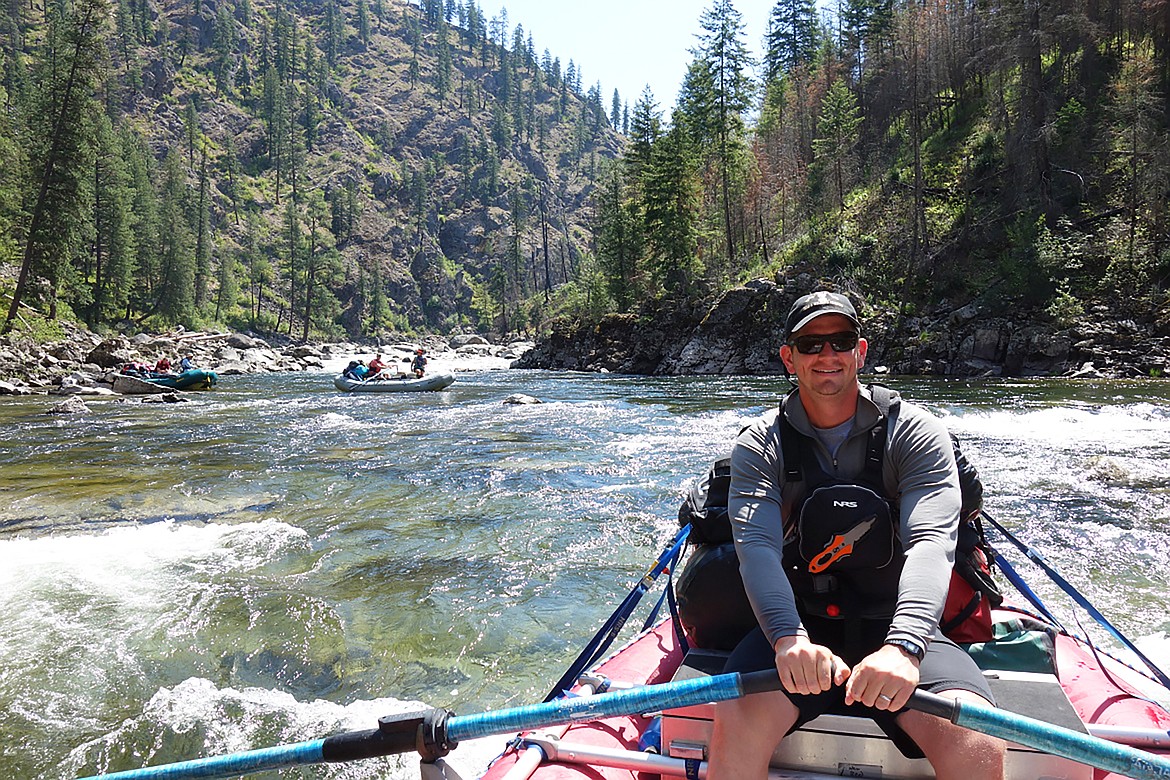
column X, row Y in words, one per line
column 812, row 345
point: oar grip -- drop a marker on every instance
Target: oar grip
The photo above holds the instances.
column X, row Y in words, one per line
column 933, row 704
column 759, row 682
column 424, row 731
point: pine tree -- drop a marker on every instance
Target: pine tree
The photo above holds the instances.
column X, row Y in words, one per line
column 792, row 38
column 321, row 262
column 443, row 69
column 227, row 287
column 363, row 22
column 725, row 62
column 145, row 223
column 224, row 47
column 619, row 239
column 176, row 286
column 334, row 36
column 292, row 253
column 672, row 196
column 114, row 239
column 645, row 127
column 70, row 68
column 201, row 220
column 837, row 133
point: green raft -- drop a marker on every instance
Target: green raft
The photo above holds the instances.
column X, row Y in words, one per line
column 191, row 379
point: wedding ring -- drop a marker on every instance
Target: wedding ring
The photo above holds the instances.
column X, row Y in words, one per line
column 886, row 698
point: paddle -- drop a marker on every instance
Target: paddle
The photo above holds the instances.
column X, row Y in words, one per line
column 435, row 732
column 1046, row 737
column 1036, row 557
column 610, row 629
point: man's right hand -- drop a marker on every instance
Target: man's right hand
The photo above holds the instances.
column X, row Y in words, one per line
column 806, row 668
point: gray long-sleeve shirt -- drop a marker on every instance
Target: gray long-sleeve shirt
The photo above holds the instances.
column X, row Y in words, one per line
column 918, row 468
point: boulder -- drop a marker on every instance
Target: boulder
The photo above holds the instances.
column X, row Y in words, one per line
column 243, row 341
column 465, row 339
column 233, row 368
column 475, row 350
column 7, row 388
column 166, row 398
column 520, row 398
column 71, row 405
column 111, row 353
column 74, row 388
column 124, row 384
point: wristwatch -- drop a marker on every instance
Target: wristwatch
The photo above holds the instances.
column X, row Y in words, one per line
column 913, row 648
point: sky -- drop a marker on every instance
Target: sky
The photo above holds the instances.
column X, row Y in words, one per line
column 625, row 44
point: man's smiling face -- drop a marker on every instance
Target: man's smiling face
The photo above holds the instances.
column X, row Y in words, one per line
column 829, row 372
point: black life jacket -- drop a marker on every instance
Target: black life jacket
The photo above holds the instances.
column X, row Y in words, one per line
column 713, row 607
column 842, row 550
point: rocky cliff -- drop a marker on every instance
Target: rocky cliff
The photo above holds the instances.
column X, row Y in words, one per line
column 741, row 331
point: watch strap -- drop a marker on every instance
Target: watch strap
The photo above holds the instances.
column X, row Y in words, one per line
column 913, row 648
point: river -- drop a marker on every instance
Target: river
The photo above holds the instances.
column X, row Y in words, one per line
column 275, row 561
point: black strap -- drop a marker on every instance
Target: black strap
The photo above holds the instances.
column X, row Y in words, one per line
column 966, row 612
column 797, row 454
column 790, row 443
column 883, row 399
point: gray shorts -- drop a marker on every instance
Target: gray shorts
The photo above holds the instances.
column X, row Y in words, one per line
column 946, row 667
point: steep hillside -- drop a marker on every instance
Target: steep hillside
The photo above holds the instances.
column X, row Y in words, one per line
column 440, row 174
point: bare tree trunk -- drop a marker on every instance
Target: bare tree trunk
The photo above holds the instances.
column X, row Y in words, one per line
column 544, row 240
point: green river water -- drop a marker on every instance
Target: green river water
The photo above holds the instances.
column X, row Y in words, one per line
column 276, row 561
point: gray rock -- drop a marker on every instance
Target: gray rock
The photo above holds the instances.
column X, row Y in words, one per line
column 73, row 388
column 465, row 339
column 242, row 341
column 7, row 388
column 71, row 405
column 132, row 385
column 233, row 368
column 477, row 350
column 520, row 398
column 111, row 353
column 166, row 398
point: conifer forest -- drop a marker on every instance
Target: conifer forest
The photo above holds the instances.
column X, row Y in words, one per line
column 319, row 169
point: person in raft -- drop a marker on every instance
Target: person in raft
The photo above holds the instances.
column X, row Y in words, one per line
column 376, row 367
column 419, row 364
column 356, row 370
column 846, row 633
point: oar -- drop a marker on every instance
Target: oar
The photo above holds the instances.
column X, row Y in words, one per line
column 1046, row 737
column 610, row 629
column 1036, row 557
column 435, row 732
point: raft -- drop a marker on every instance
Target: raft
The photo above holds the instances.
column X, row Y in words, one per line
column 408, row 384
column 1084, row 690
column 191, row 379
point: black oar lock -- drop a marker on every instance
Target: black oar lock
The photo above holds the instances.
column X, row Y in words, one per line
column 423, row 731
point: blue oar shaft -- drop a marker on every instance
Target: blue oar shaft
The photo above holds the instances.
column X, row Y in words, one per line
column 1046, row 737
column 649, row 698
column 367, row 744
column 1038, row 558
column 280, row 757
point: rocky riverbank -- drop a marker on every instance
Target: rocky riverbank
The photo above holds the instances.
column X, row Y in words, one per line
column 85, row 363
column 741, row 332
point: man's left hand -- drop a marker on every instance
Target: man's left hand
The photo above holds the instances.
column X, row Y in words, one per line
column 884, row 679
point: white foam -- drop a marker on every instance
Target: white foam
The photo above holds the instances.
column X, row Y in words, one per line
column 134, row 564
column 231, row 721
column 1113, row 428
